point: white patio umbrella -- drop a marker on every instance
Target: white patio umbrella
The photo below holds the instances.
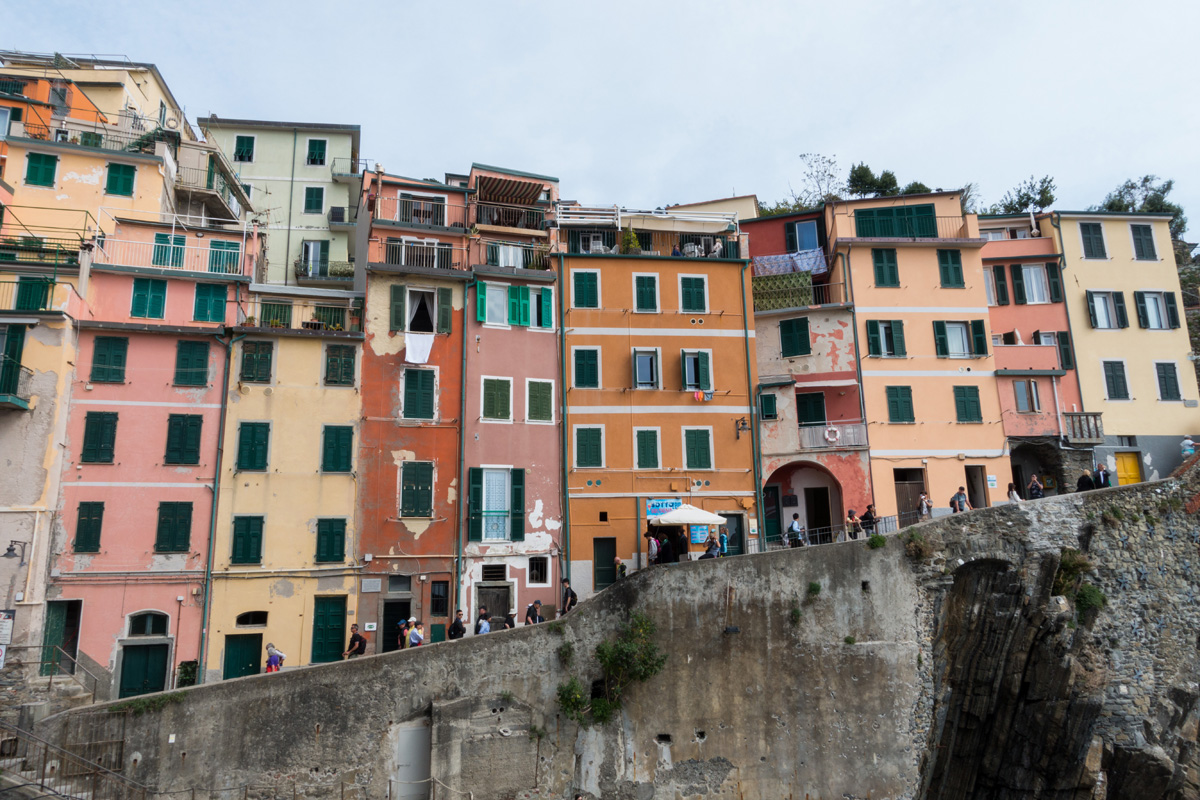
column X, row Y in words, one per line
column 688, row 515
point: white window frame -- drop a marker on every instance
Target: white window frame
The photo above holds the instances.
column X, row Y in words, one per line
column 553, row 410
column 1158, row 295
column 1110, row 310
column 529, row 573
column 400, row 488
column 437, row 385
column 307, row 142
column 507, row 471
column 253, row 151
column 1042, row 282
column 599, row 289
column 994, row 234
column 1153, row 238
column 408, row 307
column 679, row 292
column 1158, row 386
column 712, row 455
column 511, row 410
column 885, row 330
column 1033, row 397
column 495, row 289
column 1044, row 334
column 5, row 122
column 1128, row 386
column 304, row 195
column 657, row 444
column 575, row 445
column 599, row 367
column 658, row 371
column 966, row 328
column 712, row 370
column 989, row 285
column 1103, row 238
column 657, row 292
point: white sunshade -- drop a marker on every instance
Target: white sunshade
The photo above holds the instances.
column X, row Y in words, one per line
column 688, row 515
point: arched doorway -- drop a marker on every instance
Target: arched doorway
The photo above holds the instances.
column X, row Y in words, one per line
column 807, row 489
column 1030, row 458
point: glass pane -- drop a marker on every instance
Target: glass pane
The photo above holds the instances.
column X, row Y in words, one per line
column 1154, row 314
column 1035, row 284
column 645, row 369
column 1103, row 316
column 806, row 235
column 495, row 504
column 497, row 306
column 959, row 341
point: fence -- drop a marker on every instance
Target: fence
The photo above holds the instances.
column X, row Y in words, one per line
column 511, row 254
column 325, row 270
column 343, row 215
column 402, row 253
column 171, row 255
column 833, row 435
column 27, row 294
column 421, row 212
column 104, row 138
column 54, row 662
column 885, row 526
column 343, row 165
column 15, row 380
column 34, row 762
column 510, row 216
column 1084, row 427
column 313, row 317
column 40, row 250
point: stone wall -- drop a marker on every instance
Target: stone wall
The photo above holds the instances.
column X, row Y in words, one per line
column 953, row 672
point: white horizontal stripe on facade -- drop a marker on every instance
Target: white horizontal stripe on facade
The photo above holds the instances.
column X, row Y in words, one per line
column 847, row 382
column 144, row 403
column 145, row 485
column 658, row 410
column 927, row 373
column 584, row 495
column 927, row 453
column 921, row 310
column 697, row 331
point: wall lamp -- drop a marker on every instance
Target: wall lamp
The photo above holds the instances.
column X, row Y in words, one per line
column 11, row 552
column 742, row 427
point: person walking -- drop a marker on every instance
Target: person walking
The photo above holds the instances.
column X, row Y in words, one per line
column 416, row 635
column 651, row 548
column 275, row 658
column 723, row 538
column 1085, row 482
column 357, row 646
column 868, row 519
column 924, row 507
column 1102, row 477
column 570, row 599
column 533, row 614
column 1035, row 489
column 480, row 617
column 483, row 624
column 1013, row 497
column 510, row 622
column 796, row 532
column 619, row 567
column 457, row 629
column 959, row 502
column 666, row 553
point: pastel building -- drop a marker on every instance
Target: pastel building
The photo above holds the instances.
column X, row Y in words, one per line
column 814, row 437
column 305, row 178
column 1133, row 355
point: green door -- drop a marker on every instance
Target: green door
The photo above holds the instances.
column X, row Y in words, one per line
column 33, row 294
column 12, row 345
column 437, row 633
column 810, row 408
column 242, row 655
column 143, row 669
column 55, row 636
column 603, row 569
column 329, row 629
column 771, row 513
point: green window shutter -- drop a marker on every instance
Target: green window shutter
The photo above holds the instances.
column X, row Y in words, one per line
column 941, row 344
column 645, row 291
column 1114, row 380
column 40, row 168
column 699, row 454
column 496, row 399
column 481, row 302
column 314, row 199
column 1018, row 284
column 647, row 449
column 874, row 340
column 339, row 365
column 1172, row 309
column 767, row 406
column 1054, row 280
column 887, row 270
column 331, row 540
column 157, row 305
column 183, row 439
column 898, row 344
column 210, row 302
column 899, row 403
column 120, row 179
column 99, row 437
column 864, row 223
column 1001, row 285
column 966, row 404
column 253, row 441
column 1065, row 359
column 418, row 393
column 416, row 489
column 574, row 243
column 704, row 371
column 541, row 401
column 979, row 337
column 546, row 299
column 224, row 257
column 514, row 305
column 587, row 369
column 174, row 528
column 523, row 310
column 503, row 399
column 1143, row 243
column 1168, row 382
column 1139, row 302
column 693, row 295
column 516, row 508
column 108, row 359
column 397, row 315
column 794, row 338
column 445, row 309
column 191, row 363
column 950, row 268
column 589, row 449
column 1091, row 305
column 243, row 148
column 256, row 361
column 791, row 244
column 587, row 293
column 316, row 152
column 247, row 540
column 1119, row 305
column 1093, row 240
column 337, row 452
column 474, row 505
column 149, row 298
column 87, row 529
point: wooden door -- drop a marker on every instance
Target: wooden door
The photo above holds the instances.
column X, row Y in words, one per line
column 1129, row 468
column 143, row 669
column 329, row 629
column 54, row 636
column 243, row 655
column 604, row 571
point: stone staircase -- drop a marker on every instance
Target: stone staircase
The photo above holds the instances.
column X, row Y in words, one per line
column 32, row 767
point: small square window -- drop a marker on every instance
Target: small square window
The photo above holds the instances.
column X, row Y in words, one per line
column 399, row 583
column 243, row 149
column 645, row 369
column 314, row 199
column 539, row 569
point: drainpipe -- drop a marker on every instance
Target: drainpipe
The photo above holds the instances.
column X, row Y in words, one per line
column 291, row 202
column 462, row 468
column 1062, row 271
column 562, row 383
column 212, row 521
column 752, row 397
column 862, row 400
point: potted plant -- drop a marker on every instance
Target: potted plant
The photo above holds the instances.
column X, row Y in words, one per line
column 249, row 322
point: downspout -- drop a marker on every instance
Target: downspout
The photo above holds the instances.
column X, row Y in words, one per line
column 212, row 520
column 462, row 468
column 291, row 191
column 1062, row 270
column 862, row 399
column 562, row 383
column 752, row 397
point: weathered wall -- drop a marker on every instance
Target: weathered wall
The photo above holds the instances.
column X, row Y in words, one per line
column 966, row 678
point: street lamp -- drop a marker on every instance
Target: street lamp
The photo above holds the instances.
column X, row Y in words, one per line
column 11, row 552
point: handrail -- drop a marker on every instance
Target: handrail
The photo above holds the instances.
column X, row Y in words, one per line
column 67, row 774
column 56, row 662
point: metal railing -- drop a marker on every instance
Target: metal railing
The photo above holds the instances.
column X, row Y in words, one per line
column 40, row 250
column 418, row 254
column 308, row 316
column 421, row 212
column 885, row 526
column 343, row 215
column 37, row 763
column 524, row 217
column 570, row 214
column 915, row 227
column 15, row 380
column 652, row 243
column 324, row 270
column 833, row 435
column 513, row 254
column 210, row 180
column 30, row 294
column 185, row 258
column 1083, row 427
column 794, row 290
column 100, row 137
column 52, row 661
column 344, row 165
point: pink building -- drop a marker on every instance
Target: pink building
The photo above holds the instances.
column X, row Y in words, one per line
column 128, row 574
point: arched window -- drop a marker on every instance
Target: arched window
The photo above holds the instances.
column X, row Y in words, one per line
column 149, row 623
column 252, row 618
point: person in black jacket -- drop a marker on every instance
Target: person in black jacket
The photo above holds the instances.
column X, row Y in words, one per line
column 570, row 599
column 457, row 629
column 1085, row 482
column 533, row 614
column 480, row 617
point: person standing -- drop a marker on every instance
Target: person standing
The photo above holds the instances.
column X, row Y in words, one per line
column 868, row 519
column 853, row 526
column 1013, row 497
column 533, row 614
column 1085, row 482
column 357, row 646
column 510, row 622
column 723, row 538
column 795, row 532
column 1102, row 477
column 1035, row 489
column 1187, row 447
column 666, row 553
column 480, row 618
column 619, row 567
column 416, row 636
column 569, row 598
column 402, row 639
column 924, row 507
column 483, row 624
column 651, row 548
column 274, row 658
column 959, row 502
column 457, row 629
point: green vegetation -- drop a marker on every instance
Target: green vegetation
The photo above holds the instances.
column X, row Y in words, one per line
column 507, row 696
column 1072, row 565
column 566, row 653
column 917, row 546
column 1087, row 598
column 140, row 705
column 795, row 616
column 632, row 657
column 558, row 626
column 629, row 241
column 849, row 640
column 814, row 588
column 537, row 733
column 1034, row 194
column 876, row 541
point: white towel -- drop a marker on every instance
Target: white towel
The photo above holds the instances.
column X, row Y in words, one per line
column 417, row 347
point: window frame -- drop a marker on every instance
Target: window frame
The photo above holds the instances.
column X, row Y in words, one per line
column 679, row 288
column 1124, row 379
column 108, row 175
column 329, row 530
column 575, row 366
column 400, row 491
column 108, row 372
column 1158, row 382
column 529, row 581
column 53, row 175
column 150, row 284
column 656, row 352
column 184, row 421
column 1042, row 283
column 253, row 148
column 966, row 327
column 1133, row 241
column 484, row 511
column 91, row 512
column 1031, row 395
column 657, row 447
column 257, row 356
column 326, row 444
column 483, row 382
column 308, row 162
column 266, row 456
column 599, row 289
column 907, row 389
column 658, row 309
column 353, row 381
column 762, row 408
column 683, row 435
column 152, row 616
column 575, row 429
column 307, row 190
column 1083, row 241
column 553, row 415
column 699, row 387
column 234, row 535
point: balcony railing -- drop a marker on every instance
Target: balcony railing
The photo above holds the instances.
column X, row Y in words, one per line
column 511, row 254
column 794, row 290
column 343, row 215
column 312, row 317
column 40, row 250
column 652, row 243
column 184, row 258
column 27, row 294
column 418, row 254
column 344, row 165
column 524, row 217
column 833, row 436
column 885, row 526
column 100, row 137
column 915, row 227
column 206, row 180
column 16, row 383
column 1083, row 428
column 421, row 213
column 324, row 270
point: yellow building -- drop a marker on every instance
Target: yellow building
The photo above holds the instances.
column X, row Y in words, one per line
column 1131, row 342
column 283, row 561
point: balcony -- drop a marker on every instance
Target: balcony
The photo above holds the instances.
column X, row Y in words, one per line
column 340, row 271
column 101, row 137
column 401, row 253
column 345, row 167
column 16, row 382
column 314, row 316
column 51, row 252
column 512, row 254
column 199, row 179
column 413, row 212
column 909, row 227
column 652, row 243
column 833, row 436
column 1083, row 428
column 522, row 218
column 172, row 256
column 794, row 290
column 27, row 294
column 343, row 216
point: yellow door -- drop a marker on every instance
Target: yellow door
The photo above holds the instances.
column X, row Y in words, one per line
column 1129, row 468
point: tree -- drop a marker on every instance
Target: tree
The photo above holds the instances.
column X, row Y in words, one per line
column 916, row 187
column 969, row 197
column 862, row 180
column 1034, row 195
column 820, row 185
column 1147, row 195
column 886, row 184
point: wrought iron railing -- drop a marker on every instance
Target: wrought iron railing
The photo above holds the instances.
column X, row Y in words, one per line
column 308, row 316
column 207, row 180
column 419, row 212
column 27, row 294
column 103, row 137
column 343, row 215
column 54, row 662
column 525, row 217
column 172, row 256
column 401, row 253
column 15, row 380
column 35, row 763
column 833, row 534
column 513, row 254
column 324, row 270
column 40, row 250
column 344, row 165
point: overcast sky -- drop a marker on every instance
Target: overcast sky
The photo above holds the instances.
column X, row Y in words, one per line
column 647, row 103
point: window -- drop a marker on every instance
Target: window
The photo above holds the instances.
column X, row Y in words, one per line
column 149, row 298
column 1029, row 284
column 251, row 619
column 543, row 308
column 210, row 302
column 148, row 624
column 1157, row 310
column 589, row 447
column 337, row 448
column 108, row 359
column 1065, row 357
column 697, row 448
column 907, row 222
column 645, row 369
column 518, row 305
column 697, row 373
column 253, row 441
column 276, row 315
column 1168, row 380
column 587, row 367
column 767, row 406
column 248, row 188
column 120, row 180
column 1107, row 309
column 1028, row 400
column 168, row 250
column 416, row 489
column 497, row 505
column 994, row 235
column 243, row 148
column 539, row 401
column 497, row 399
column 247, row 543
column 900, row 404
column 645, row 291
column 960, row 339
column 950, row 269
column 1093, row 240
column 183, row 439
column 793, row 337
column 339, row 365
column 886, row 338
column 418, row 393
column 585, row 289
column 539, row 570
column 439, row 599
column 99, row 437
column 887, row 272
column 493, row 573
column 1045, row 338
column 191, row 363
column 314, row 199
column 316, row 152
column 331, row 540
column 491, row 303
column 256, row 361
column 997, row 285
column 224, row 257
column 39, row 169
column 966, row 404
column 1114, row 380
column 799, row 236
column 1143, row 243
column 646, row 441
column 174, row 528
column 399, row 583
column 87, row 529
column 424, row 311
column 693, row 294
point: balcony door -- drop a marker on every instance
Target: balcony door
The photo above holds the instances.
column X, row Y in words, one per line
column 12, row 343
column 810, row 408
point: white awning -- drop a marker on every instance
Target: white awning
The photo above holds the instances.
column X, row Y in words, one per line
column 688, row 515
